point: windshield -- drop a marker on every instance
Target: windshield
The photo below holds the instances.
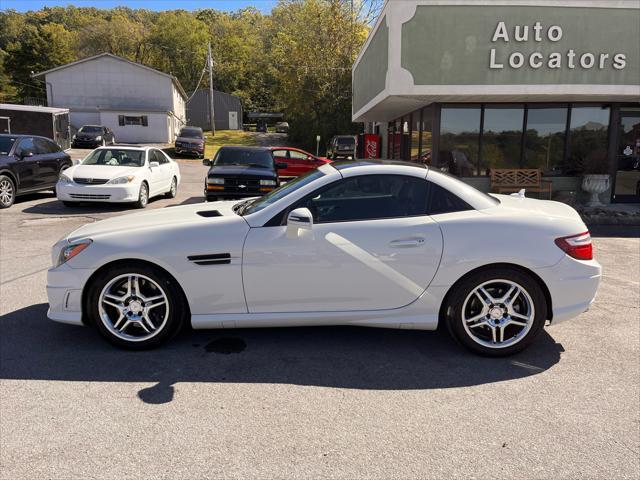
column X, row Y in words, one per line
column 254, row 158
column 190, row 133
column 90, row 129
column 346, row 141
column 252, row 206
column 115, row 157
column 6, row 143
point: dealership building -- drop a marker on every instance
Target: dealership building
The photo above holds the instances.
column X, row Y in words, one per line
column 468, row 86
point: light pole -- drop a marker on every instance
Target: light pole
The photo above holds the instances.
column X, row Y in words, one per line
column 213, row 116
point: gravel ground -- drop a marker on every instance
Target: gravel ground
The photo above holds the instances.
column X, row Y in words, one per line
column 309, row 402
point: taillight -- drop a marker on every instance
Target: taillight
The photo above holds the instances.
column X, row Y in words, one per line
column 577, row 246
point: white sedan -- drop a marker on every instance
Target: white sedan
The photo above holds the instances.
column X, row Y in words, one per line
column 119, row 174
column 377, row 244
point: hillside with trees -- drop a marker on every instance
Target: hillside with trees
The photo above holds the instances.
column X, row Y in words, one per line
column 297, row 59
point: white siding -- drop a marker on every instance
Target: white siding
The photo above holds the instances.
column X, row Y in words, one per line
column 157, row 130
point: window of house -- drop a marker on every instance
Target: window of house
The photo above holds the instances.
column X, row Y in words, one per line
column 415, row 136
column 459, row 140
column 140, row 120
column 426, row 135
column 501, row 137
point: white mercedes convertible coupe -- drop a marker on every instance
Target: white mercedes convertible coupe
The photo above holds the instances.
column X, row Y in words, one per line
column 377, row 244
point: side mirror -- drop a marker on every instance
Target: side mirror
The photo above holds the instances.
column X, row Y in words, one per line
column 153, row 164
column 300, row 218
column 206, row 162
column 26, row 153
column 281, row 165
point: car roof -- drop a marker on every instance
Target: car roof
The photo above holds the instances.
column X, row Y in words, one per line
column 129, row 147
column 188, row 127
column 238, row 147
column 22, row 135
column 344, row 165
column 99, row 126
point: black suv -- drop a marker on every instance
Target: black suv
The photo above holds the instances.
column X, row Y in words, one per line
column 237, row 172
column 342, row 146
column 92, row 136
column 28, row 164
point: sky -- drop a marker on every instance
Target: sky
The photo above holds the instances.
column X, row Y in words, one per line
column 25, row 5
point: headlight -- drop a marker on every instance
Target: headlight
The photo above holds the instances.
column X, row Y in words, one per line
column 72, row 250
column 121, row 180
column 215, row 181
column 268, row 183
column 99, row 138
column 64, row 178
column 73, row 138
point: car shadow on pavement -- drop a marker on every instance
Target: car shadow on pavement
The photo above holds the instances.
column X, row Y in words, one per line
column 56, row 207
column 35, row 348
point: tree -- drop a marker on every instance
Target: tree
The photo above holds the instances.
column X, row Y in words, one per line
column 38, row 49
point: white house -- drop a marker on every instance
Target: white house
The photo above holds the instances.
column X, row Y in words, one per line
column 140, row 104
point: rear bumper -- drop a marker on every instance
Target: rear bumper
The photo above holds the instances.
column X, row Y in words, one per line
column 573, row 285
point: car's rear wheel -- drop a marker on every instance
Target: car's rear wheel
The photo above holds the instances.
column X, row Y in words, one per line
column 496, row 312
column 143, row 196
column 7, row 192
column 136, row 307
column 173, row 190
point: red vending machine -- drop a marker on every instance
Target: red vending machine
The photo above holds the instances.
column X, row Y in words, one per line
column 369, row 145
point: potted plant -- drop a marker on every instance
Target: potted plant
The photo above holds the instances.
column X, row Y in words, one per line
column 595, row 179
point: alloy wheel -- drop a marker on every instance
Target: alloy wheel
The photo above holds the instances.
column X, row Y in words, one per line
column 498, row 313
column 6, row 192
column 133, row 307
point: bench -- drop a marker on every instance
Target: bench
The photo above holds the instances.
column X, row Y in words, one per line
column 505, row 180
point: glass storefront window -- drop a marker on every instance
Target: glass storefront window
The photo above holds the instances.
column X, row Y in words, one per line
column 545, row 139
column 459, row 137
column 415, row 136
column 426, row 134
column 588, row 141
column 501, row 137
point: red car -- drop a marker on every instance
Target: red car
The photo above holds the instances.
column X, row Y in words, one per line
column 298, row 161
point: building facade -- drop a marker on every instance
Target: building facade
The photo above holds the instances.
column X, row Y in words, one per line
column 472, row 85
column 140, row 104
column 227, row 110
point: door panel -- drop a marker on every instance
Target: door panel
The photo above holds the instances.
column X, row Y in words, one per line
column 26, row 168
column 48, row 159
column 627, row 181
column 344, row 266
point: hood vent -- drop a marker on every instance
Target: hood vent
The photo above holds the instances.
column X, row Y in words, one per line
column 209, row 213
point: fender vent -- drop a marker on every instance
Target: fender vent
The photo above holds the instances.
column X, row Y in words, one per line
column 211, row 259
column 209, row 213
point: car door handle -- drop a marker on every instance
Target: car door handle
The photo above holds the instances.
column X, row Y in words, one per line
column 407, row 243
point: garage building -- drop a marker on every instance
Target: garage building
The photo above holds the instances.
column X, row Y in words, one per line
column 227, row 110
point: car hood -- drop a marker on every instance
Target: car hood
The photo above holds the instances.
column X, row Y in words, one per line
column 232, row 170
column 189, row 140
column 169, row 217
column 101, row 171
column 88, row 135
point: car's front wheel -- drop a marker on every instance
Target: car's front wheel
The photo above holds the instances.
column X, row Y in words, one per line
column 143, row 196
column 136, row 307
column 173, row 189
column 496, row 312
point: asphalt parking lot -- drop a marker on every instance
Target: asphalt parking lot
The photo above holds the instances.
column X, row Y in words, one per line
column 309, row 402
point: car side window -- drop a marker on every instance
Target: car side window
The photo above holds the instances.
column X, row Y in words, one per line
column 53, row 147
column 281, row 154
column 298, row 155
column 369, row 197
column 26, row 144
column 160, row 158
column 442, row 200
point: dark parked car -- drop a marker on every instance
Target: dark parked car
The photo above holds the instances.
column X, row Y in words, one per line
column 282, row 127
column 190, row 141
column 237, row 172
column 28, row 164
column 93, row 136
column 342, row 146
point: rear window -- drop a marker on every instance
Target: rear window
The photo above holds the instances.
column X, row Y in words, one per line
column 6, row 144
column 254, row 158
column 346, row 141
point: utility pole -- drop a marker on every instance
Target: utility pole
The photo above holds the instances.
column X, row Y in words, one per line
column 213, row 116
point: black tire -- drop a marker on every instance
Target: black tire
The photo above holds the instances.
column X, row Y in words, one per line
column 177, row 314
column 464, row 289
column 173, row 190
column 143, row 196
column 7, row 191
column 70, row 204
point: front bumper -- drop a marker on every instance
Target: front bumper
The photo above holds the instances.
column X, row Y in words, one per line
column 573, row 285
column 180, row 149
column 85, row 143
column 64, row 292
column 73, row 192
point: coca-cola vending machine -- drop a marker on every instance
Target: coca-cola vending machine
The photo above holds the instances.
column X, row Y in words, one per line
column 369, row 145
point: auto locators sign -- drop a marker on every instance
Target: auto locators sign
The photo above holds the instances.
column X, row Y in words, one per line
column 540, row 34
